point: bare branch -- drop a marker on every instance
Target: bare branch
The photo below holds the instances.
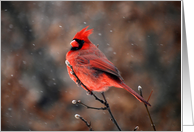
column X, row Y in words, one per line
column 88, row 107
column 152, row 123
column 77, row 116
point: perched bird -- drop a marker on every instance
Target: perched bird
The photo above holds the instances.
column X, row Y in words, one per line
column 92, row 67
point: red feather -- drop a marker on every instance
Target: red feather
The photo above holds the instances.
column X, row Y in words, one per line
column 93, row 68
column 83, row 34
column 98, row 63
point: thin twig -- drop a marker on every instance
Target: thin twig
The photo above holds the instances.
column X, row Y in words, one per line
column 77, row 116
column 87, row 124
column 91, row 93
column 89, row 107
column 150, row 95
column 152, row 123
column 108, row 108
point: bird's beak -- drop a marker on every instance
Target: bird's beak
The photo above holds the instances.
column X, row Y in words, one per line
column 74, row 43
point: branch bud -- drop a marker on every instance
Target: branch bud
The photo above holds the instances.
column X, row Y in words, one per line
column 74, row 102
column 139, row 88
column 77, row 116
column 136, row 128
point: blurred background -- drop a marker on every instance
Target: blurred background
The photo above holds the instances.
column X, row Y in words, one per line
column 142, row 39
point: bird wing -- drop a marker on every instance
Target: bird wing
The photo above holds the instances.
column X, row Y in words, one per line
column 98, row 63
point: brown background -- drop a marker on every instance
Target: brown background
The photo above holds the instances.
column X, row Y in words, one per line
column 143, row 39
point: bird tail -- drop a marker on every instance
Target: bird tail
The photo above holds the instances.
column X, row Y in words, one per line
column 134, row 94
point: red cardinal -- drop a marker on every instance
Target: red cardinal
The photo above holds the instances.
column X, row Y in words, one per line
column 92, row 67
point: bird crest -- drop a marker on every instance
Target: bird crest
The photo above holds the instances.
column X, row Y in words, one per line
column 83, row 34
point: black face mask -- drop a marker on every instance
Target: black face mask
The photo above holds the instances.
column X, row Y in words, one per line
column 80, row 42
